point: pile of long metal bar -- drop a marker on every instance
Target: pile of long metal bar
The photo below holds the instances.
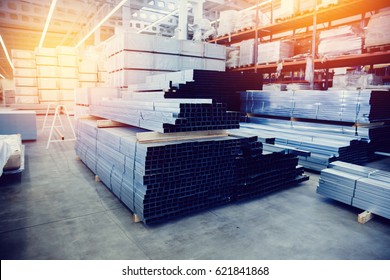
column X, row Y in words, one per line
column 223, row 87
column 163, row 180
column 168, row 115
column 362, row 187
column 322, row 146
column 354, row 106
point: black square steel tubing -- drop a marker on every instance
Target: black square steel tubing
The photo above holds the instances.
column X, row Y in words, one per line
column 160, row 181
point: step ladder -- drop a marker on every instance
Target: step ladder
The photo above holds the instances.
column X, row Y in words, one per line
column 54, row 127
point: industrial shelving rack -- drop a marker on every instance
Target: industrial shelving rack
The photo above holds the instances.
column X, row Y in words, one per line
column 311, row 20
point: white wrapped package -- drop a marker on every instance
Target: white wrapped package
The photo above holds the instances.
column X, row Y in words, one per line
column 23, row 54
column 32, row 91
column 88, row 66
column 45, row 71
column 47, row 83
column 130, row 41
column 214, row 51
column 275, row 51
column 192, row 48
column 132, row 60
column 25, row 72
column 24, row 63
column 247, row 52
column 166, row 62
column 5, row 153
column 378, row 31
column 247, row 19
column 48, row 95
column 67, row 72
column 339, row 41
column 26, row 100
column 227, row 22
column 25, row 82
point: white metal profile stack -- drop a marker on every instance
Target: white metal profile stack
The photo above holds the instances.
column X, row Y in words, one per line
column 132, row 57
column 25, row 77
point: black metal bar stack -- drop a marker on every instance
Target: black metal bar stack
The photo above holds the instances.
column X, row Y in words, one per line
column 160, row 181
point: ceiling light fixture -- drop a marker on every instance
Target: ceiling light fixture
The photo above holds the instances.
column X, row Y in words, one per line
column 117, row 7
column 1, row 76
column 48, row 18
column 6, row 52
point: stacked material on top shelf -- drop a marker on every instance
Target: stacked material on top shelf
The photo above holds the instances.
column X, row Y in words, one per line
column 362, row 187
column 223, row 87
column 323, row 147
column 246, row 19
column 354, row 106
column 160, row 181
column 227, row 22
column 340, row 41
column 377, row 32
column 168, row 115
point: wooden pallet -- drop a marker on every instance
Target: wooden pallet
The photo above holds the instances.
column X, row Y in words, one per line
column 364, row 217
column 380, row 48
column 156, row 137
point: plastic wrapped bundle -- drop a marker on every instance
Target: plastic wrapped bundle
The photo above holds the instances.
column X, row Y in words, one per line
column 356, row 80
column 232, row 57
column 247, row 52
column 339, row 41
column 247, row 20
column 227, row 22
column 275, row 51
column 378, row 32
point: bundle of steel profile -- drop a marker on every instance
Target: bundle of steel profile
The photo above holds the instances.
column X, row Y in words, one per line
column 168, row 115
column 359, row 186
column 221, row 86
column 160, row 181
column 323, row 147
column 355, row 106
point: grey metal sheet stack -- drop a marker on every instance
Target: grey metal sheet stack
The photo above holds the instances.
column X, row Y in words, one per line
column 324, row 147
column 362, row 187
column 355, row 106
column 160, row 181
column 168, row 115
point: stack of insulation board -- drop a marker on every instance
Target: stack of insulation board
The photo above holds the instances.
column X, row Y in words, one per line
column 354, row 106
column 68, row 75
column 323, row 146
column 88, row 73
column 377, row 33
column 274, row 51
column 362, row 187
column 132, row 57
column 47, row 71
column 159, row 181
column 223, row 87
column 25, row 77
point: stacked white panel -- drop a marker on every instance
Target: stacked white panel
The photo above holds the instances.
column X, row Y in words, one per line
column 131, row 57
column 25, row 77
column 47, row 75
column 68, row 73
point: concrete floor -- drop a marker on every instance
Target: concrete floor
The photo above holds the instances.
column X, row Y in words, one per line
column 57, row 211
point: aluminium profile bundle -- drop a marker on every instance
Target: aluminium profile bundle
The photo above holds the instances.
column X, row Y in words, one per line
column 363, row 187
column 160, row 181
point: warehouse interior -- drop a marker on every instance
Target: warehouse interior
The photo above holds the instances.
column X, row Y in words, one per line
column 194, row 130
